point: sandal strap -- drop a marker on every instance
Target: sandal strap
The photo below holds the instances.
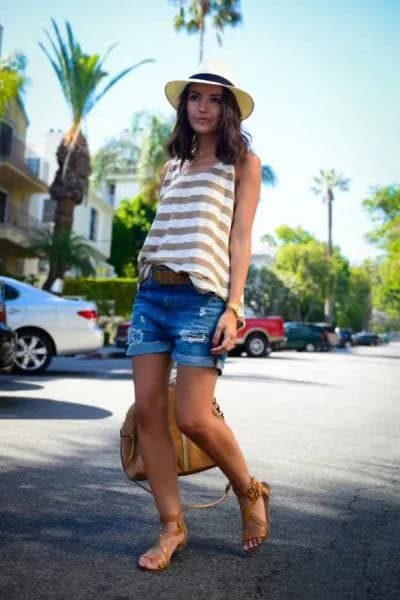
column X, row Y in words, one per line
column 256, row 527
column 160, row 552
column 180, row 525
column 254, row 490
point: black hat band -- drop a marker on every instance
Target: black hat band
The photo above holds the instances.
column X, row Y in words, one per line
column 212, row 78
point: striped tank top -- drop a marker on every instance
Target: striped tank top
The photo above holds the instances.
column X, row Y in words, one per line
column 191, row 229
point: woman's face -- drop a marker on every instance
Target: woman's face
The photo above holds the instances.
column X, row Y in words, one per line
column 205, row 107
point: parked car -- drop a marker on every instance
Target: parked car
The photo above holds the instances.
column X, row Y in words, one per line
column 384, row 337
column 47, row 325
column 366, row 338
column 330, row 334
column 345, row 337
column 7, row 337
column 300, row 336
column 256, row 338
column 260, row 335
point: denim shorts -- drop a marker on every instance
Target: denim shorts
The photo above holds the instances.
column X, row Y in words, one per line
column 176, row 319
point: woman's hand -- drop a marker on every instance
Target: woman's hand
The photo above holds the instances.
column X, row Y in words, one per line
column 225, row 333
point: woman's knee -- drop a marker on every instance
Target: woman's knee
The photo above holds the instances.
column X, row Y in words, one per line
column 151, row 410
column 191, row 425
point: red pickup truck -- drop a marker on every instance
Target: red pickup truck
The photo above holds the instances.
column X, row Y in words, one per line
column 257, row 338
column 260, row 335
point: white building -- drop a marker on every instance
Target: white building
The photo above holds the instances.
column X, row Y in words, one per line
column 120, row 186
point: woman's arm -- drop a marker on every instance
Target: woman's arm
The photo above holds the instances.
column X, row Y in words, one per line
column 246, row 200
column 247, row 195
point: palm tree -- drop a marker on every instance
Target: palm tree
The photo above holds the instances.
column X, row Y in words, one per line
column 153, row 154
column 268, row 176
column 12, row 79
column 63, row 252
column 79, row 75
column 192, row 17
column 324, row 185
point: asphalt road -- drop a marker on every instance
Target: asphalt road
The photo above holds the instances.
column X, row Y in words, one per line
column 323, row 429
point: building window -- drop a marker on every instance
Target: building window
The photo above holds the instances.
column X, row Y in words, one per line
column 3, row 206
column 93, row 224
column 33, row 165
column 49, row 209
column 6, row 134
column 111, row 194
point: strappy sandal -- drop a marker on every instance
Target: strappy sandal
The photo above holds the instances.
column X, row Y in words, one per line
column 253, row 526
column 160, row 552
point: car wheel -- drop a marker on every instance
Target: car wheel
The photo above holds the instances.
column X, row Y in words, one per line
column 257, row 345
column 33, row 351
column 309, row 347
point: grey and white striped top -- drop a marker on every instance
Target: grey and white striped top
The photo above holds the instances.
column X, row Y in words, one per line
column 191, row 229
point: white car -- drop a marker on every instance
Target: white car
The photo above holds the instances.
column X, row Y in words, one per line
column 47, row 325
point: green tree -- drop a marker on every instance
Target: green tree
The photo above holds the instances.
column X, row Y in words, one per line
column 131, row 223
column 119, row 155
column 298, row 235
column 325, row 185
column 80, row 76
column 353, row 309
column 141, row 150
column 384, row 208
column 12, row 79
column 64, row 252
column 153, row 154
column 305, row 270
column 266, row 293
column 193, row 14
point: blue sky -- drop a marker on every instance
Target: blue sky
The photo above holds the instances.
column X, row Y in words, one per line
column 324, row 76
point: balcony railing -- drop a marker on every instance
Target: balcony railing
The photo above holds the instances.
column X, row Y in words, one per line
column 18, row 153
column 20, row 218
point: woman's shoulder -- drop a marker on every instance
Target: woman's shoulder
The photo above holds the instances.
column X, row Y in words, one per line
column 167, row 168
column 248, row 165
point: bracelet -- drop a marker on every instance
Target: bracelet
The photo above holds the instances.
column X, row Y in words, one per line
column 234, row 308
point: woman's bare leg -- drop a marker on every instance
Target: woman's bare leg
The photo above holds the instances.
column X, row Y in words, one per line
column 194, row 395
column 151, row 377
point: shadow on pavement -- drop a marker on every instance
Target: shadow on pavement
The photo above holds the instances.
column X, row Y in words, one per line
column 388, row 356
column 17, row 407
column 11, row 384
column 267, row 378
column 80, row 526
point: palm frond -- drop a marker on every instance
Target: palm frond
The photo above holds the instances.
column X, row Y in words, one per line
column 67, row 249
column 268, row 176
column 328, row 181
column 79, row 73
column 120, row 75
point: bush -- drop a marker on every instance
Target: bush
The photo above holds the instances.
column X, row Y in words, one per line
column 112, row 296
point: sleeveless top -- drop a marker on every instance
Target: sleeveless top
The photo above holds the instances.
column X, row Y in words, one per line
column 191, row 229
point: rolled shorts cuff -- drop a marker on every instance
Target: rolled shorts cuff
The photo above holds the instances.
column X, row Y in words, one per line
column 147, row 348
column 200, row 361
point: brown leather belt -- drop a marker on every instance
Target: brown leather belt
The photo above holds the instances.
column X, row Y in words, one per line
column 165, row 276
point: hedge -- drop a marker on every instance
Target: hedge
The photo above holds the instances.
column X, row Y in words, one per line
column 111, row 295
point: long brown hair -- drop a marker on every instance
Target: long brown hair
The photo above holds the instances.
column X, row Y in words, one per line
column 233, row 142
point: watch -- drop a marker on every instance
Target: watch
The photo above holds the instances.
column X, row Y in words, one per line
column 234, row 308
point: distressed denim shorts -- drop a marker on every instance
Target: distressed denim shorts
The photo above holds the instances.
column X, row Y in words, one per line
column 176, row 319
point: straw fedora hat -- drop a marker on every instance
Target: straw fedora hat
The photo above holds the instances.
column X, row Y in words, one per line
column 213, row 72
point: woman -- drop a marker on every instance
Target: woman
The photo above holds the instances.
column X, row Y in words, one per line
column 192, row 272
